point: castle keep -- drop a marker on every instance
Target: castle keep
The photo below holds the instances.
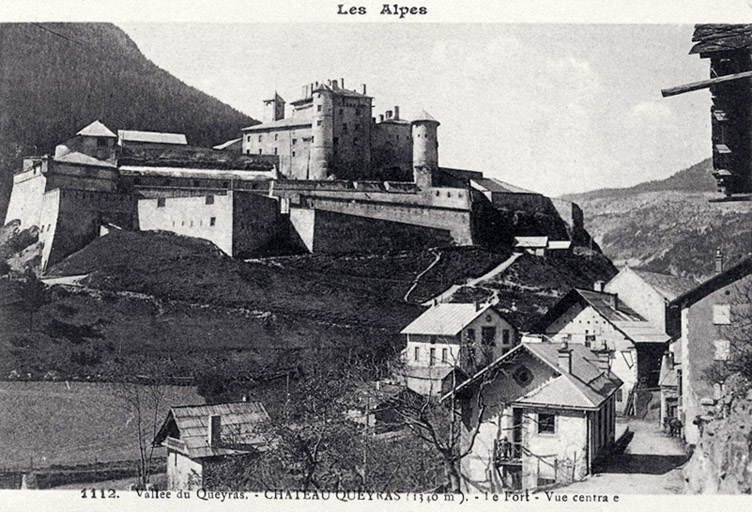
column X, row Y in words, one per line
column 329, row 178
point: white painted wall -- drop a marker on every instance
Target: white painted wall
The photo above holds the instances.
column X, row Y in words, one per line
column 183, row 472
column 639, row 296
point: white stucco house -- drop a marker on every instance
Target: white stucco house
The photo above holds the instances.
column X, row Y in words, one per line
column 549, row 414
column 596, row 319
column 449, row 340
column 197, row 437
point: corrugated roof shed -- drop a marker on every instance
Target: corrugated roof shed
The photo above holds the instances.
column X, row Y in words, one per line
column 445, row 319
column 189, row 425
column 97, row 129
column 711, row 38
column 152, row 137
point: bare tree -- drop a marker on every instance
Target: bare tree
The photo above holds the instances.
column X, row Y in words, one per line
column 144, row 402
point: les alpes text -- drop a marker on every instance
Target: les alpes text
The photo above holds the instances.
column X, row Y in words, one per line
column 393, row 9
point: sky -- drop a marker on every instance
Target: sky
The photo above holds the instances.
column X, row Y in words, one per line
column 555, row 108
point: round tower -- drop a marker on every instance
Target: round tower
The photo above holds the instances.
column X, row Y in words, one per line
column 425, row 149
column 322, row 133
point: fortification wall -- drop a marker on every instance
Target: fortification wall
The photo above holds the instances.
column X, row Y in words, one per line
column 256, row 222
column 392, row 148
column 456, row 221
column 334, row 232
column 26, row 197
column 80, row 177
column 291, row 144
column 207, row 216
column 70, row 219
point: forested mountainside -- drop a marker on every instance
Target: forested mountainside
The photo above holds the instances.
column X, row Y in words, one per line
column 670, row 225
column 56, row 78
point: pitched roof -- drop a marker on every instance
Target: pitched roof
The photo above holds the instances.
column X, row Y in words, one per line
column 445, row 319
column 287, row 122
column 152, row 137
column 585, row 387
column 608, row 306
column 670, row 287
column 97, row 129
column 531, row 241
column 77, row 158
column 227, row 144
column 496, row 185
column 721, row 37
column 718, row 281
column 238, row 431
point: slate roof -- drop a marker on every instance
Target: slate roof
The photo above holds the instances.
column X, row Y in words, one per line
column 585, row 387
column 97, row 129
column 152, row 137
column 286, row 123
column 192, row 157
column 670, row 287
column 718, row 281
column 189, row 425
column 445, row 319
column 718, row 37
column 495, row 185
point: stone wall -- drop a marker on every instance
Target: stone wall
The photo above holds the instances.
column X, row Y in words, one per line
column 26, row 198
column 334, row 232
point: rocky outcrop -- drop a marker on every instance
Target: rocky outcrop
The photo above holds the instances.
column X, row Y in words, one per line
column 722, row 460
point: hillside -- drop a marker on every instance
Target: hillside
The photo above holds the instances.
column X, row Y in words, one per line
column 57, row 78
column 669, row 225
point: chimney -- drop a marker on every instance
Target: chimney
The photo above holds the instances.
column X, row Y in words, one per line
column 215, row 428
column 364, row 89
column 718, row 261
column 598, row 286
column 342, row 83
column 565, row 357
column 396, row 111
column 381, row 118
column 604, row 357
column 477, row 305
column 388, row 114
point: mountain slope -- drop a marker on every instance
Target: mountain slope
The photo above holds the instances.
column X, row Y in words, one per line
column 56, row 78
column 669, row 225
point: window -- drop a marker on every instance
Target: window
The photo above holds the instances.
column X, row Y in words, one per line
column 225, row 184
column 444, row 355
column 248, row 139
column 488, row 336
column 522, row 376
column 102, row 143
column 293, row 153
column 505, row 337
column 470, row 335
column 620, row 396
column 294, row 141
column 722, row 349
column 161, row 202
column 318, row 108
column 432, row 357
column 275, row 151
column 209, row 199
column 259, row 151
column 721, row 314
column 212, row 221
column 344, row 127
column 589, row 339
column 260, row 136
column 248, row 151
column 276, row 136
column 196, row 183
column 546, row 423
column 416, row 353
column 318, row 123
column 336, row 140
column 432, row 339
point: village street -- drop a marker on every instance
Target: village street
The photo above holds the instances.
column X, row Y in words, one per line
column 651, row 464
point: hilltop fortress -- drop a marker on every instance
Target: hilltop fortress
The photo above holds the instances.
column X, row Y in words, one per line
column 328, row 178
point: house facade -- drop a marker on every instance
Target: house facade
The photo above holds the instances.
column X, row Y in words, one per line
column 198, row 437
column 549, row 414
column 596, row 319
column 466, row 337
column 713, row 322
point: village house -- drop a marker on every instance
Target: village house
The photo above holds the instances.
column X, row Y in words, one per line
column 594, row 318
column 546, row 411
column 448, row 338
column 710, row 322
column 198, row 437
